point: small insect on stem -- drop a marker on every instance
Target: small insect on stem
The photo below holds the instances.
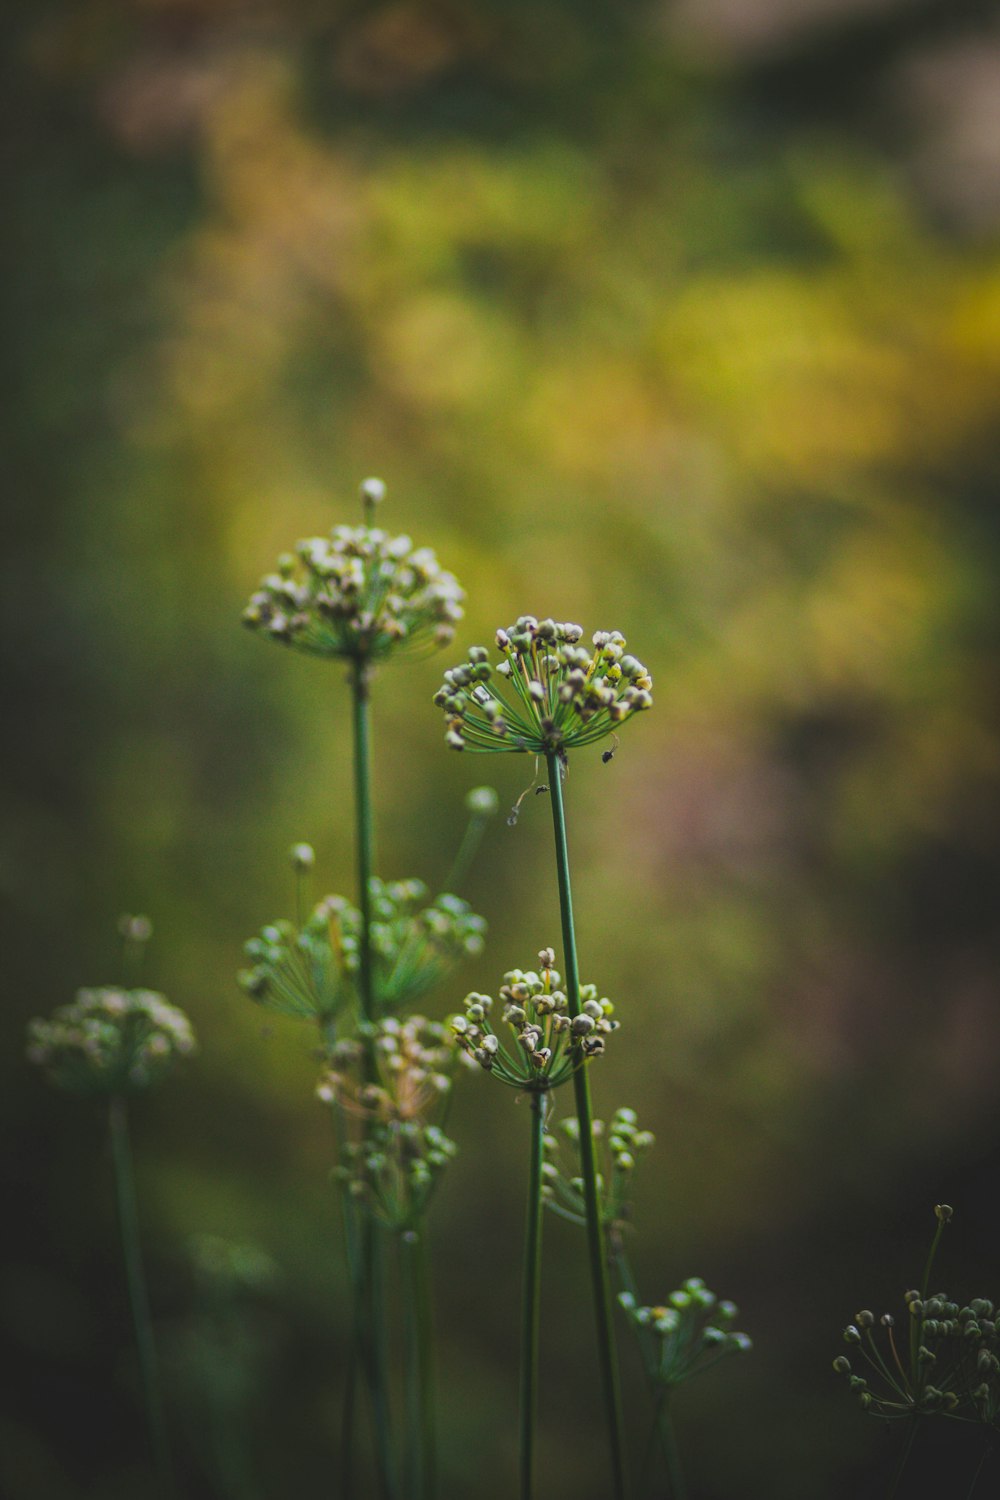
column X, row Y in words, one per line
column 610, row 754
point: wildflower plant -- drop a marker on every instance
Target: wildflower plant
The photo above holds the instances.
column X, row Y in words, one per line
column 676, row 1340
column 396, row 1163
column 548, row 692
column 941, row 1360
column 548, row 1045
column 112, row 1042
column 357, row 594
column 313, row 970
column 547, row 695
column 362, row 597
column 620, row 1146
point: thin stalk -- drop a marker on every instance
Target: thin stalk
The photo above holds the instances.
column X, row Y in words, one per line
column 372, row 1322
column 364, row 828
column 588, row 1166
column 420, row 1374
column 128, row 1218
column 532, row 1293
column 671, row 1456
column 467, row 850
column 904, row 1455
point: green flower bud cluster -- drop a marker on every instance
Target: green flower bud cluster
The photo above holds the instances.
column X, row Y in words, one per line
column 392, row 1152
column 110, row 1041
column 359, row 594
column 548, row 692
column 619, row 1147
column 415, row 945
column 313, row 971
column 549, row 1043
column 686, row 1335
column 305, row 972
column 949, row 1362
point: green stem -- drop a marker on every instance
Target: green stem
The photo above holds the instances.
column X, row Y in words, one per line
column 471, row 840
column 671, row 1456
column 364, row 830
column 913, row 1424
column 416, row 1283
column 128, row 1218
column 372, row 1322
column 532, row 1292
column 588, row 1166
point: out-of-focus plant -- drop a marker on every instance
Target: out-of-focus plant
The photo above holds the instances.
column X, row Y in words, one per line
column 676, row 1340
column 115, row 1043
column 945, row 1363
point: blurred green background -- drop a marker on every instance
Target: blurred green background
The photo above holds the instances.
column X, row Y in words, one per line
column 676, row 318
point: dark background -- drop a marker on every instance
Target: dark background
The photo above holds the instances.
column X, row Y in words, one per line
column 681, row 319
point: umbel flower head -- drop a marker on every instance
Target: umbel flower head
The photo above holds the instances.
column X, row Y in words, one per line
column 393, row 1149
column 313, row 971
column 110, row 1041
column 548, row 1044
column 357, row 594
column 548, row 692
column 619, row 1146
column 946, row 1361
column 686, row 1335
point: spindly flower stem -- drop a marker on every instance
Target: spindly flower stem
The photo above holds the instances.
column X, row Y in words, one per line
column 372, row 1323
column 588, row 1166
column 128, row 1218
column 532, row 1291
column 416, row 1290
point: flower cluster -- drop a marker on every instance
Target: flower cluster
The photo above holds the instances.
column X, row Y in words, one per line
column 305, row 972
column 547, row 693
column 313, row 971
column 358, row 593
column 949, row 1363
column 110, row 1041
column 393, row 1151
column 621, row 1145
column 550, row 1044
column 688, row 1334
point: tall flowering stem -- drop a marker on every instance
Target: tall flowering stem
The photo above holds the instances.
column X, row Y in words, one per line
column 588, row 1167
column 550, row 1047
column 114, row 1043
column 359, row 596
column 135, row 1276
column 532, row 1293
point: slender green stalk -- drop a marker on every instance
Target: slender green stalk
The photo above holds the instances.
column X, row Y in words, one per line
column 128, row 1218
column 371, row 1301
column 532, row 1292
column 364, row 827
column 588, row 1165
column 467, row 849
column 912, row 1425
column 668, row 1445
column 987, row 1450
column 420, row 1372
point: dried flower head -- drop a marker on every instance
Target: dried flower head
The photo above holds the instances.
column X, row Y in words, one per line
column 619, row 1146
column 392, row 1148
column 313, row 971
column 549, row 1044
column 548, row 692
column 110, row 1041
column 358, row 594
column 686, row 1335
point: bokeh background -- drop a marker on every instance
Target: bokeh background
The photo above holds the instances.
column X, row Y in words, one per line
column 676, row 318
